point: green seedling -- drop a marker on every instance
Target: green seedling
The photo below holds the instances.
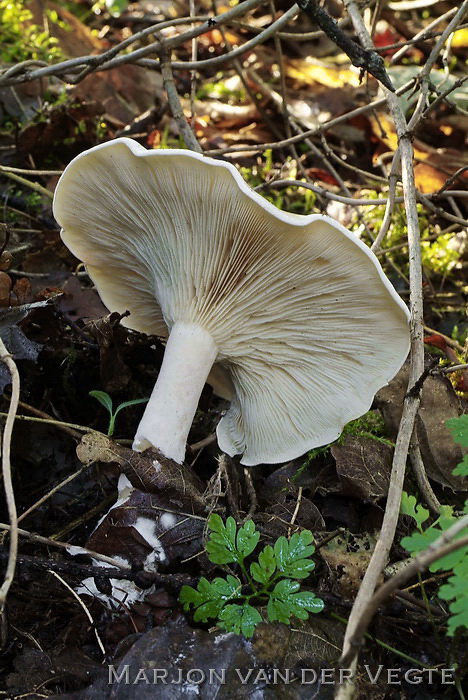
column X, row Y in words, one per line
column 106, row 401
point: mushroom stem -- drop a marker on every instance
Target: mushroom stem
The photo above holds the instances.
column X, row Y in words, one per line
column 188, row 359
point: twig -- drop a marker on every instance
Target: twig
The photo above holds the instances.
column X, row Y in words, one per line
column 193, row 73
column 424, row 199
column 20, row 74
column 49, row 542
column 296, row 509
column 454, row 176
column 391, row 201
column 25, row 171
column 316, row 130
column 411, row 403
column 422, row 35
column 235, row 53
column 443, row 95
column 438, row 46
column 421, row 477
column 27, row 183
column 58, row 423
column 366, row 59
column 445, row 544
column 86, row 611
column 6, row 358
column 295, row 36
column 176, row 108
column 449, row 370
column 50, row 493
column 42, row 414
column 209, row 440
column 280, row 184
column 448, row 340
column 251, row 493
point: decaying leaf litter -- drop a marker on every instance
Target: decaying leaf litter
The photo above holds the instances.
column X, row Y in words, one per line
column 66, row 345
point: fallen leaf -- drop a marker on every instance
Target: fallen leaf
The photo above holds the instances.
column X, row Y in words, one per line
column 20, row 347
column 364, row 466
column 439, row 402
column 149, row 471
column 81, row 303
column 309, row 70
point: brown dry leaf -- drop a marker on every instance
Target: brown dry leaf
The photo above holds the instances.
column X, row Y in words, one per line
column 309, row 70
column 282, row 498
column 122, row 94
column 5, row 289
column 149, row 471
column 427, row 178
column 81, row 303
column 39, row 138
column 434, row 166
column 364, row 466
column 438, row 403
column 73, row 37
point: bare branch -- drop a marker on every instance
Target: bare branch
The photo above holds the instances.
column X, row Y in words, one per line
column 6, row 358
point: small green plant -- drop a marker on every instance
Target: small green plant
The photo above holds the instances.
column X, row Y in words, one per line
column 455, row 589
column 220, row 90
column 268, row 580
column 106, row 401
column 20, row 39
column 459, row 429
column 437, row 254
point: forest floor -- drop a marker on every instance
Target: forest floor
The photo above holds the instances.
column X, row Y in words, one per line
column 65, row 344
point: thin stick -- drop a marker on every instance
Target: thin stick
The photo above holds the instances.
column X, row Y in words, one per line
column 24, row 171
column 6, row 358
column 58, row 423
column 27, row 183
column 391, row 201
column 67, row 546
column 411, row 404
column 296, row 509
column 193, row 73
column 50, row 493
column 20, row 73
column 421, row 477
column 420, row 36
column 454, row 368
column 176, row 107
column 449, row 341
column 86, row 611
column 316, row 130
column 445, row 544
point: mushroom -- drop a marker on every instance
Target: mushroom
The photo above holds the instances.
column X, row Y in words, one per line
column 296, row 312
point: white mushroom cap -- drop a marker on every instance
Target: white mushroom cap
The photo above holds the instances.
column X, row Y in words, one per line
column 297, row 312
